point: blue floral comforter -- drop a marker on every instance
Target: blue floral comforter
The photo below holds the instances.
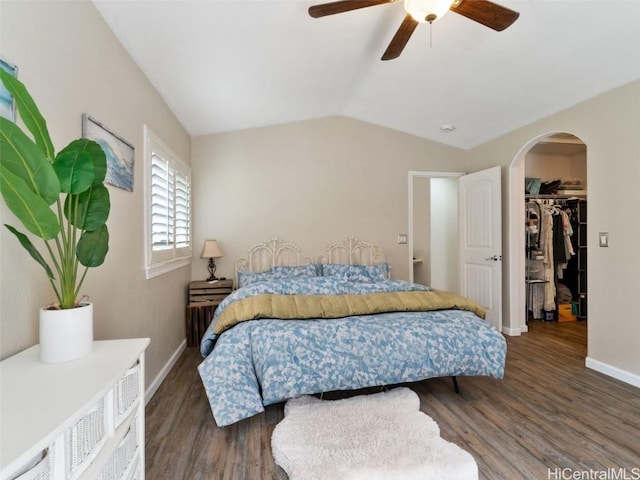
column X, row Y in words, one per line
column 261, row 362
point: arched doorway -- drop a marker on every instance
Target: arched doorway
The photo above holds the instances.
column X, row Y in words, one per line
column 517, row 265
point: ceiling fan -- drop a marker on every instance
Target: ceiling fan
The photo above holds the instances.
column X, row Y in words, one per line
column 484, row 12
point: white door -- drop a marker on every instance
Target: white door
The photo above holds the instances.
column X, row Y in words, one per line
column 480, row 214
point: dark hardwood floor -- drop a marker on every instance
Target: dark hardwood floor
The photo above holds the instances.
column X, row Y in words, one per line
column 548, row 413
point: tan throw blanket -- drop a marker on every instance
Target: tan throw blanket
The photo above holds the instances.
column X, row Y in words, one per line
column 287, row 307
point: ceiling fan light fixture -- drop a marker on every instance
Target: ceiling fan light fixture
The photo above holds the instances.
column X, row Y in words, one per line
column 427, row 11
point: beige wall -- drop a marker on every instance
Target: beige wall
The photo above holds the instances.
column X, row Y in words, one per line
column 71, row 63
column 553, row 167
column 310, row 183
column 609, row 125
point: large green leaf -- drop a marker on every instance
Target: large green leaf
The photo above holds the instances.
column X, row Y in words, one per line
column 29, row 113
column 23, row 158
column 28, row 246
column 75, row 171
column 97, row 155
column 88, row 210
column 31, row 210
column 93, row 247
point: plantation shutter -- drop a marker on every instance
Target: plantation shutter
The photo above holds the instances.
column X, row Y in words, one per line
column 161, row 204
column 182, row 208
column 168, row 207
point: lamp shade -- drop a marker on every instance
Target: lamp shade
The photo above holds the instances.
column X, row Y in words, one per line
column 211, row 249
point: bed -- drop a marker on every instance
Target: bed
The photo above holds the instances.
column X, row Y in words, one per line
column 298, row 325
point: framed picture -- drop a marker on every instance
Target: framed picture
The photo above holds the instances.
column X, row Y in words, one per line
column 7, row 104
column 119, row 152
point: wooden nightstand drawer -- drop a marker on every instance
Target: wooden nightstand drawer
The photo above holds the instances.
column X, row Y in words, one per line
column 204, row 298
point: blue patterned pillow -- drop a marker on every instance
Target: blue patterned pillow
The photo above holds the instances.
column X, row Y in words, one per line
column 249, row 278
column 277, row 273
column 309, row 270
column 334, row 269
column 357, row 273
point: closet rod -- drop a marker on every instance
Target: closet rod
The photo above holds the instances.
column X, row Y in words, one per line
column 532, row 196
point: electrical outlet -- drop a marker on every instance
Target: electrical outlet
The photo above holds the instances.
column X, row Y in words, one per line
column 402, row 238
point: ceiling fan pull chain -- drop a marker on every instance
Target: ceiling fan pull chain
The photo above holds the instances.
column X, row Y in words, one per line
column 430, row 34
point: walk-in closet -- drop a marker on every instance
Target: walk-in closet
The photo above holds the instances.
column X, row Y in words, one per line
column 556, row 230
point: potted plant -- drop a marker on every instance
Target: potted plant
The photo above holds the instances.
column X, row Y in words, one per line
column 60, row 198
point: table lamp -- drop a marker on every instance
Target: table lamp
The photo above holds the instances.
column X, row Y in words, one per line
column 211, row 251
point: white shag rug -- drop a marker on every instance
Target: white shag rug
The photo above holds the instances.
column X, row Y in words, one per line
column 372, row 437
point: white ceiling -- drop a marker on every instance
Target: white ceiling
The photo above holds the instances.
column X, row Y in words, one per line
column 230, row 65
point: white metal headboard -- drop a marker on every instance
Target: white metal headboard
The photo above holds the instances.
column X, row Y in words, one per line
column 263, row 256
column 277, row 252
column 353, row 252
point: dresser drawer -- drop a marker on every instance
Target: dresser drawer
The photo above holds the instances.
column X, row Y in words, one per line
column 127, row 392
column 122, row 461
column 39, row 468
column 84, row 439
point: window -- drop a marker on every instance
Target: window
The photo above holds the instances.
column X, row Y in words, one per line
column 168, row 208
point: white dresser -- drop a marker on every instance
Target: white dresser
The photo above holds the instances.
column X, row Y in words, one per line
column 77, row 420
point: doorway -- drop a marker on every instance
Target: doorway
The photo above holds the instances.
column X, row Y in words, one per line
column 558, row 161
column 433, row 229
column 468, row 236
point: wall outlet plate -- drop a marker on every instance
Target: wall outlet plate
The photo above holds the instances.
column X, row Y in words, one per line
column 603, row 239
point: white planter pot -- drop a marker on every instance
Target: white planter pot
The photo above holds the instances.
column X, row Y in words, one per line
column 66, row 334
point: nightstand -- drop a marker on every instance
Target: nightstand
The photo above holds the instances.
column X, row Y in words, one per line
column 204, row 298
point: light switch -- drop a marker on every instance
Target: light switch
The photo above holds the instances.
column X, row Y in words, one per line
column 604, row 239
column 402, row 238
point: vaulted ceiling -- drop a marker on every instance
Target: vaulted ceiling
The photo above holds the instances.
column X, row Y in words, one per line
column 230, row 65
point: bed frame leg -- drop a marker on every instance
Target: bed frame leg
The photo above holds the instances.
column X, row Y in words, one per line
column 455, row 384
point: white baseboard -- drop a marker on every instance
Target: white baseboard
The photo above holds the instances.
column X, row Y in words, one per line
column 512, row 332
column 153, row 387
column 615, row 372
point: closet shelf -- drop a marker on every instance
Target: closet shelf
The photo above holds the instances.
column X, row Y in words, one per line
column 577, row 194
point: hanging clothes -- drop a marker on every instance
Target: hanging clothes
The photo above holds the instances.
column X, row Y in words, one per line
column 555, row 233
column 568, row 233
column 559, row 244
column 562, row 242
column 548, row 261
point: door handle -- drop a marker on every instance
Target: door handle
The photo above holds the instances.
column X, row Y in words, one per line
column 495, row 258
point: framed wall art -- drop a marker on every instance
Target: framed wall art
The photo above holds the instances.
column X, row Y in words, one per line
column 7, row 103
column 119, row 152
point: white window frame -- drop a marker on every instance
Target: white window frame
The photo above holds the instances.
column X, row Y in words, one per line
column 158, row 262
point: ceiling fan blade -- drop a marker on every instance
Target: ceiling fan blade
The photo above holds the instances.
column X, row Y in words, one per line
column 485, row 12
column 400, row 39
column 324, row 9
